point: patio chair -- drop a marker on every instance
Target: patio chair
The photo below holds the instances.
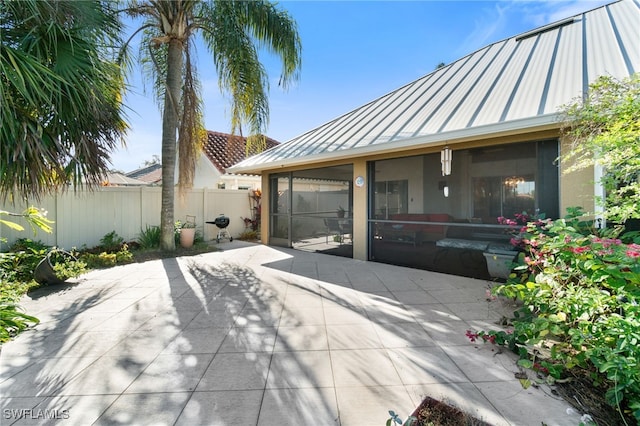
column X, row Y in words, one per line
column 333, row 227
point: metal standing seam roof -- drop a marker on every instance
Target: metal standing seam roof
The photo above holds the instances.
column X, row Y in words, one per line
column 517, row 83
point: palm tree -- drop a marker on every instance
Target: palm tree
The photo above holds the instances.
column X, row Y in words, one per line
column 233, row 32
column 60, row 91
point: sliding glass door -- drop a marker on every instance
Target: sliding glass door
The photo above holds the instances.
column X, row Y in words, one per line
column 280, row 209
column 312, row 210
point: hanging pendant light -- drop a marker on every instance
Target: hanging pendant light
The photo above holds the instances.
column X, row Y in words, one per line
column 445, row 159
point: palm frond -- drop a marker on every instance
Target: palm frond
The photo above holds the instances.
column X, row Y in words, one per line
column 233, row 31
column 276, row 31
column 153, row 58
column 240, row 72
column 61, row 104
column 191, row 134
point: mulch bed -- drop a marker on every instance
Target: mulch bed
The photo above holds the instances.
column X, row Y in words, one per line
column 437, row 413
column 586, row 397
column 146, row 255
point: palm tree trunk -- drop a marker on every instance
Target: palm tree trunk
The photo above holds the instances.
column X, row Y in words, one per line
column 169, row 128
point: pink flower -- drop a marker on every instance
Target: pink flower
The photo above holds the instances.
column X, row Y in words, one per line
column 506, row 221
column 489, row 295
column 540, row 368
column 579, row 250
column 531, row 261
column 607, row 242
column 633, row 253
column 605, row 252
column 471, row 335
column 491, row 338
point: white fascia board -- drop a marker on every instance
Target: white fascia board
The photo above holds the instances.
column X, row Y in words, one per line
column 525, row 125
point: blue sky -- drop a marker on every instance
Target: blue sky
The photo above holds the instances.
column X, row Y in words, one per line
column 353, row 52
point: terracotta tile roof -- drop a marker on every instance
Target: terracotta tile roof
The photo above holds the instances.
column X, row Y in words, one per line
column 151, row 174
column 225, row 150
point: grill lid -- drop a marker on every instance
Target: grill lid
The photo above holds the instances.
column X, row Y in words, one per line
column 221, row 221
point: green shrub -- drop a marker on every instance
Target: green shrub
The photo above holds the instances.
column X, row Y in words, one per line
column 111, row 242
column 100, row 260
column 12, row 320
column 13, row 270
column 66, row 265
column 27, row 244
column 16, row 278
column 124, row 255
column 105, row 259
column 580, row 307
column 19, row 263
column 150, row 237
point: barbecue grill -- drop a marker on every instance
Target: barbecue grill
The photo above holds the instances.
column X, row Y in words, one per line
column 222, row 222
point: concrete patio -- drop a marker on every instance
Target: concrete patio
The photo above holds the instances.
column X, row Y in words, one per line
column 256, row 335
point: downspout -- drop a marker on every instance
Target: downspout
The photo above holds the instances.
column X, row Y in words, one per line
column 599, row 193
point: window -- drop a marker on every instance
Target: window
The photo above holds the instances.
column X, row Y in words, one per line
column 496, row 196
column 391, row 197
column 416, row 215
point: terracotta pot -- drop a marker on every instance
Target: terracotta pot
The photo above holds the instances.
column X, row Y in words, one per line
column 187, row 235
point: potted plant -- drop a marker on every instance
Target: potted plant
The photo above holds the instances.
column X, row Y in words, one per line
column 501, row 257
column 57, row 267
column 500, row 262
column 187, row 232
column 340, row 212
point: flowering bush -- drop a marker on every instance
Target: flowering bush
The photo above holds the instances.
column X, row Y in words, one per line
column 580, row 295
column 519, row 226
column 519, row 219
column 255, row 197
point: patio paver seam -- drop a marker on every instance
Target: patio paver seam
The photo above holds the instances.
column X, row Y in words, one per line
column 297, row 369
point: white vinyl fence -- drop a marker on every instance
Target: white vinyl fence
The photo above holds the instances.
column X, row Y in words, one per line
column 84, row 217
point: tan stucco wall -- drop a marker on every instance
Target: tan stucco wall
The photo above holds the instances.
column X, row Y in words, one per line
column 360, row 211
column 264, row 210
column 577, row 187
